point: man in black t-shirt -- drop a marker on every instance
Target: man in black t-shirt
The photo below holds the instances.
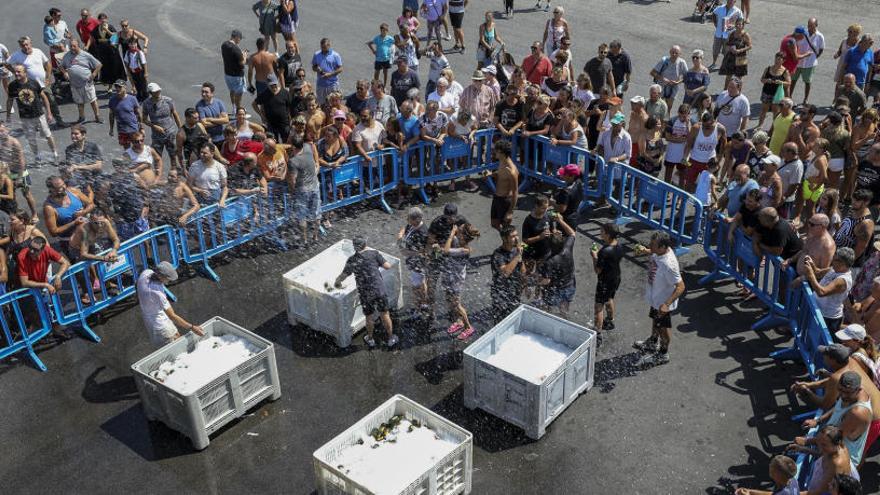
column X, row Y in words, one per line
column 556, row 274
column 568, row 199
column 234, row 59
column 606, row 264
column 288, row 63
column 775, row 236
column 364, row 264
column 508, row 274
column 869, row 173
column 536, row 230
column 411, row 240
column 510, row 113
column 438, row 232
column 599, row 69
column 403, row 80
column 273, row 105
column 83, row 157
column 33, row 109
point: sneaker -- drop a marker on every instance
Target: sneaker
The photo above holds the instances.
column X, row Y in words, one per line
column 538, row 5
column 392, row 341
column 447, row 37
column 370, row 341
column 608, row 325
column 466, row 333
column 454, row 328
column 648, row 345
column 712, row 67
column 656, row 359
column 599, row 340
column 547, row 7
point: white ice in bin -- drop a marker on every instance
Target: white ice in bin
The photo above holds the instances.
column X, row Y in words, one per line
column 189, row 371
column 530, row 356
column 392, row 466
column 323, row 270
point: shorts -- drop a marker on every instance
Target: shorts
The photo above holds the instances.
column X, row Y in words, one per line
column 127, row 230
column 307, row 206
column 833, row 324
column 873, row 89
column 555, row 297
column 322, row 92
column 693, row 172
column 21, row 181
column 500, row 207
column 605, row 291
column 374, row 304
column 719, row 46
column 261, row 86
column 810, row 194
column 124, row 138
column 31, row 126
column 83, row 95
column 416, row 279
column 162, row 335
column 678, row 166
column 236, row 84
column 660, row 321
column 381, row 64
column 836, row 164
column 669, row 91
column 456, row 18
column 160, row 144
column 767, row 99
column 805, row 73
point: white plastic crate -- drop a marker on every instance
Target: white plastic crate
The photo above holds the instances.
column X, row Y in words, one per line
column 235, row 390
column 451, row 475
column 337, row 313
column 530, row 402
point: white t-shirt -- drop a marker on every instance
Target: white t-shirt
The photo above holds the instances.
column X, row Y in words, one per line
column 448, row 100
column 210, row 178
column 831, row 306
column 675, row 151
column 732, row 113
column 803, row 46
column 791, row 173
column 34, row 64
column 135, row 60
column 663, row 276
column 725, row 19
column 153, row 303
column 583, row 95
column 369, row 137
column 456, row 89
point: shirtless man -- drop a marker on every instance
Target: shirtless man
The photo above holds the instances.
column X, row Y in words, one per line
column 145, row 161
column 262, row 63
column 818, row 246
column 803, row 131
column 506, row 186
column 637, row 118
column 12, row 153
column 177, row 203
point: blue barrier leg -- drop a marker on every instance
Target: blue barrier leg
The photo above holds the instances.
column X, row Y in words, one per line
column 322, row 230
column 424, row 196
column 170, row 295
column 769, row 321
column 524, row 186
column 807, row 415
column 384, row 204
column 682, row 250
column 33, row 355
column 790, row 354
column 717, row 274
column 86, row 330
column 209, row 272
column 622, row 219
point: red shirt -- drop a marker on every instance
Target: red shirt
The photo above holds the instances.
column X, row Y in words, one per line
column 537, row 71
column 789, row 48
column 243, row 146
column 35, row 269
column 85, row 28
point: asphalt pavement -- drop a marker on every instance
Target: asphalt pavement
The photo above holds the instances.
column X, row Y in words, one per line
column 704, row 423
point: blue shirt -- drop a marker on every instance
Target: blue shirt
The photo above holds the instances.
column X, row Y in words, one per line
column 413, row 4
column 736, row 193
column 327, row 62
column 212, row 110
column 791, row 488
column 409, row 126
column 858, row 62
column 383, row 47
column 125, row 111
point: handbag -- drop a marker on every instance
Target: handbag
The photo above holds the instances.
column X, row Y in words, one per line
column 779, row 95
column 718, row 110
column 660, row 72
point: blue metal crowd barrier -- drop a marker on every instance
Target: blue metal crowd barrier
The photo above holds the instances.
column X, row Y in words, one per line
column 94, row 286
column 654, row 202
column 424, row 163
column 538, row 161
column 214, row 230
column 355, row 181
column 808, row 328
column 22, row 328
column 762, row 274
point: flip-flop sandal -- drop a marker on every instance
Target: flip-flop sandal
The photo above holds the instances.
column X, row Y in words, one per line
column 454, row 328
column 466, row 333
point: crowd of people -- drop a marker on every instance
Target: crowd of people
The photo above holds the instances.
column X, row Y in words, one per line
column 802, row 188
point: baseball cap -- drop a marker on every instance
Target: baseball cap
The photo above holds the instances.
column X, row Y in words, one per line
column 852, row 332
column 339, row 114
column 120, row 83
column 299, row 84
column 271, row 79
column 153, row 87
column 490, row 69
column 838, row 352
column 167, row 271
column 771, row 159
column 359, row 243
column 478, row 75
column 850, row 380
column 618, row 118
column 570, row 170
column 450, row 209
column 800, row 30
column 637, row 100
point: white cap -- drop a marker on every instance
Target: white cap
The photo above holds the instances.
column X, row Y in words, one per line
column 490, row 69
column 153, row 87
column 851, row 332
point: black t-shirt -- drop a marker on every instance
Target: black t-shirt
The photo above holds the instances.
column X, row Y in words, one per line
column 239, row 178
column 620, row 66
column 356, row 104
column 782, row 234
column 231, row 53
column 365, row 267
column 869, row 178
column 415, row 239
column 276, row 107
column 570, row 196
column 559, row 268
column 289, row 64
column 28, row 96
column 608, row 261
column 441, row 227
column 90, row 153
column 508, row 115
column 597, row 70
column 749, row 217
column 532, row 227
column 401, row 83
column 535, row 123
column 507, row 287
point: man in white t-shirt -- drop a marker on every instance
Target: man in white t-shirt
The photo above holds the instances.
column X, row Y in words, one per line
column 447, row 101
column 811, row 43
column 662, row 291
column 733, row 107
column 725, row 18
column 159, row 317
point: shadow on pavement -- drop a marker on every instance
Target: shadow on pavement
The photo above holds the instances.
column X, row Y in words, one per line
column 490, row 433
column 113, row 390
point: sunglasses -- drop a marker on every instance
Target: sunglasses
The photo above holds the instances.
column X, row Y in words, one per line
column 814, row 224
column 138, row 141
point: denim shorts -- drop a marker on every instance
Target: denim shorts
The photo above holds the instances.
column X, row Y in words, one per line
column 555, row 297
column 307, row 205
column 235, row 84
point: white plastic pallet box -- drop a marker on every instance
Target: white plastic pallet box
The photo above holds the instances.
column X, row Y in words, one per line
column 449, row 476
column 337, row 312
column 529, row 393
column 204, row 411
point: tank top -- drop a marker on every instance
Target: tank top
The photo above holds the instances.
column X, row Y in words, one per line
column 817, row 473
column 675, row 151
column 704, row 146
column 769, row 89
column 845, row 235
column 144, row 156
column 565, row 136
column 245, row 132
column 855, row 447
column 192, row 138
column 488, row 35
column 554, row 37
column 456, row 6
column 409, row 51
column 831, row 306
column 66, row 214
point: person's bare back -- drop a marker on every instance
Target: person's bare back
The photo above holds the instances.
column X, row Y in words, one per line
column 819, row 249
column 263, row 63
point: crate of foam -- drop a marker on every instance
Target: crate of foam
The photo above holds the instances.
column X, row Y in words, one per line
column 313, row 301
column 529, row 368
column 401, row 448
column 196, row 385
